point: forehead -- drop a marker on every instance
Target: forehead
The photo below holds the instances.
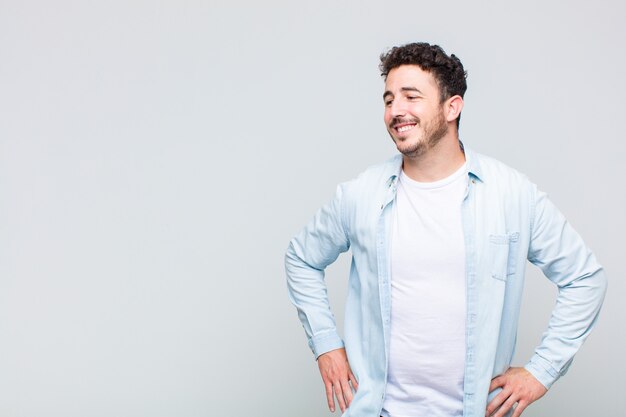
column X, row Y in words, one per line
column 410, row 76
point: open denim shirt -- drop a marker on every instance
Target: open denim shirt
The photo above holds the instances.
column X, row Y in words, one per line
column 506, row 221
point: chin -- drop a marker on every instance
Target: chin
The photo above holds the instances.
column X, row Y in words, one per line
column 411, row 149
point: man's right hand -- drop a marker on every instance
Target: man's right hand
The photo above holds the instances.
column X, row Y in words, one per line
column 338, row 378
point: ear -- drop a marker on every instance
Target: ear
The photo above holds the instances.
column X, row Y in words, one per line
column 453, row 107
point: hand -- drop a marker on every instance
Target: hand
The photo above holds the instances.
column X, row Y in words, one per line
column 518, row 386
column 338, row 378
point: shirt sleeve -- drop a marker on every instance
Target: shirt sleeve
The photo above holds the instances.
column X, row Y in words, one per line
column 308, row 254
column 559, row 251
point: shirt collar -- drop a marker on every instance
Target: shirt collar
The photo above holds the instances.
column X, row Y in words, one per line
column 473, row 163
column 472, row 160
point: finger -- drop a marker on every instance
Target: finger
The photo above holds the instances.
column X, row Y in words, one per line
column 521, row 405
column 339, row 395
column 495, row 383
column 504, row 408
column 329, row 396
column 353, row 381
column 496, row 402
column 347, row 392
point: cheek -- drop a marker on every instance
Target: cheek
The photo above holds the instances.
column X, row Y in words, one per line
column 387, row 116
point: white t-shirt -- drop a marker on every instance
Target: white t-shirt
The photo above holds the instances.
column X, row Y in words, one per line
column 428, row 302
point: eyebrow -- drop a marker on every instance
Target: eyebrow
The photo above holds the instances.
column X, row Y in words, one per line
column 389, row 93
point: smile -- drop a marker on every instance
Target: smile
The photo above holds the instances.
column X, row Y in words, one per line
column 404, row 128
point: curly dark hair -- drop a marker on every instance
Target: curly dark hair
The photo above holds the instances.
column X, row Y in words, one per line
column 447, row 70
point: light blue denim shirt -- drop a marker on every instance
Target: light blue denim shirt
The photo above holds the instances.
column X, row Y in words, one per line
column 506, row 221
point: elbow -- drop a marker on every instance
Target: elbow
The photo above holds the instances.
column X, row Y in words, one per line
column 596, row 284
column 603, row 282
column 292, row 257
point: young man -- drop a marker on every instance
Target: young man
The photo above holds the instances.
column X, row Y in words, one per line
column 440, row 236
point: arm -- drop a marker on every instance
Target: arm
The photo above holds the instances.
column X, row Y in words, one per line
column 561, row 254
column 309, row 253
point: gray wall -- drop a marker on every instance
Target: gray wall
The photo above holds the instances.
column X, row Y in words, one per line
column 156, row 157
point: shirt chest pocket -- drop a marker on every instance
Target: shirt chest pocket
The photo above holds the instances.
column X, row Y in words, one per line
column 503, row 253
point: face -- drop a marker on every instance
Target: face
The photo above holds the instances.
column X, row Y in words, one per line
column 414, row 115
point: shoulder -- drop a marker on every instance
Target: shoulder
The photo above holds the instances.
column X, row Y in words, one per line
column 493, row 172
column 498, row 182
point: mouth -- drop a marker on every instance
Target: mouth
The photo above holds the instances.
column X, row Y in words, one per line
column 403, row 127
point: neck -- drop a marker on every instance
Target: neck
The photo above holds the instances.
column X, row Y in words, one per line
column 436, row 163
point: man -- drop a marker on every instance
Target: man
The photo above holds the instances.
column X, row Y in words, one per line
column 440, row 236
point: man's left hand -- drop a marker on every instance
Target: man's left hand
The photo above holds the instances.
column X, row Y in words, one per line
column 518, row 386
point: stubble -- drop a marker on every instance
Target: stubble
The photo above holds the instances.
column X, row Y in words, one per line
column 432, row 134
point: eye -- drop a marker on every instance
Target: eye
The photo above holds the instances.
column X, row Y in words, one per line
column 412, row 97
column 388, row 103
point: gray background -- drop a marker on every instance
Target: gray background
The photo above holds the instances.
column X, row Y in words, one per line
column 156, row 157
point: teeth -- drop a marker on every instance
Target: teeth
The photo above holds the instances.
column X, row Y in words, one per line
column 405, row 128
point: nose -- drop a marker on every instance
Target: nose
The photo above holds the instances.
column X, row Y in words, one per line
column 397, row 108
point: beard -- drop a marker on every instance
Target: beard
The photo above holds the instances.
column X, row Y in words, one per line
column 432, row 133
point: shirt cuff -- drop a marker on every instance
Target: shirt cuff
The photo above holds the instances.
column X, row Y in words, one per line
column 325, row 342
column 541, row 369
